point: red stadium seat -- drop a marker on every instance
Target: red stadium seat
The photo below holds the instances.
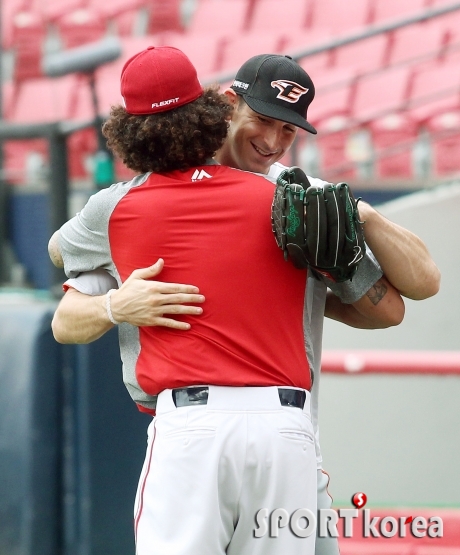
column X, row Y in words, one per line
column 332, row 141
column 213, row 17
column 299, row 40
column 9, row 9
column 164, row 15
column 268, row 16
column 19, row 154
column 7, row 100
column 435, row 89
column 81, row 27
column 44, row 100
column 340, row 17
column 51, row 10
column 393, row 137
column 363, row 56
column 333, row 93
column 381, row 93
column 240, row 48
column 450, row 23
column 121, row 16
column 204, row 51
column 386, row 10
column 418, row 41
column 445, row 138
column 27, row 37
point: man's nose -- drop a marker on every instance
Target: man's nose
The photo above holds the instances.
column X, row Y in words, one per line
column 272, row 139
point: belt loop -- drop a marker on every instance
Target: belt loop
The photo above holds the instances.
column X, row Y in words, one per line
column 165, row 402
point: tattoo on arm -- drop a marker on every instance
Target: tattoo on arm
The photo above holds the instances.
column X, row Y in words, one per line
column 377, row 292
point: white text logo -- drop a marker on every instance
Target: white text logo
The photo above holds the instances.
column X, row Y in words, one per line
column 303, row 523
column 165, row 102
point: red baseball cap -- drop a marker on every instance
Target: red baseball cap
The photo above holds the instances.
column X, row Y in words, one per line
column 158, row 79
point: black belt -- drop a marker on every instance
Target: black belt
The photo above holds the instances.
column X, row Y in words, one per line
column 190, row 396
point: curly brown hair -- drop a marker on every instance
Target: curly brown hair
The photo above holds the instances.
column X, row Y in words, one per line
column 174, row 140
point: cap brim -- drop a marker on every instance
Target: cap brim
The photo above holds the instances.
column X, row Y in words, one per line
column 278, row 112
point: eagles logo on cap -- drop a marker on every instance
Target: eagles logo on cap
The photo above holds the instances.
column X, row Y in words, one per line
column 289, row 90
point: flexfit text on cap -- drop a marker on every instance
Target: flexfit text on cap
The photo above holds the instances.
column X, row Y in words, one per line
column 158, row 79
column 277, row 87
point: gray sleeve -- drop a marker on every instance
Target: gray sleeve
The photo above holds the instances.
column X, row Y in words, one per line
column 367, row 274
column 83, row 240
column 97, row 282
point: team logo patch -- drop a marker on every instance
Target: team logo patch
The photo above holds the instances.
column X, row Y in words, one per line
column 198, row 175
column 290, row 91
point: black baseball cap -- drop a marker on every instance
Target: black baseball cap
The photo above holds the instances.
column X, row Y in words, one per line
column 277, row 87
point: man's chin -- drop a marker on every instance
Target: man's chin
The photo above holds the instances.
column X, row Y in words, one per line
column 258, row 167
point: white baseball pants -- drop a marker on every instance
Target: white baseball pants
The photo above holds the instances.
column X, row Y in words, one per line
column 211, row 468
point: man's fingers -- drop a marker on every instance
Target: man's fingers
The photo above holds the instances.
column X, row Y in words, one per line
column 150, row 271
column 169, row 323
column 180, row 298
column 172, row 288
column 181, row 309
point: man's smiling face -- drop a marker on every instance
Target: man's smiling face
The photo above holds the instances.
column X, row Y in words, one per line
column 255, row 141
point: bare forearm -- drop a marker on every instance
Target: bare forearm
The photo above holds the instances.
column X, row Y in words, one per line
column 80, row 318
column 403, row 256
column 381, row 307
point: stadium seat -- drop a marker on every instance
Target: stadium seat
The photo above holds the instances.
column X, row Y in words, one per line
column 268, row 16
column 121, row 16
column 204, row 51
column 43, row 100
column 316, row 64
column 362, row 56
column 435, row 89
column 81, row 27
column 393, row 137
column 164, row 15
column 299, row 39
column 381, row 93
column 340, row 17
column 450, row 23
column 213, row 17
column 332, row 141
column 240, row 48
column 445, row 140
column 81, row 145
column 417, row 42
column 9, row 9
column 333, row 93
column 7, row 100
column 52, row 10
column 20, row 155
column 27, row 38
column 387, row 10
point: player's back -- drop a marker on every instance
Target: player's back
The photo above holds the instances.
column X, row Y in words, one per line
column 212, row 227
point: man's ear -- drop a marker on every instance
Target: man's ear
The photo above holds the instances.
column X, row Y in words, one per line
column 232, row 97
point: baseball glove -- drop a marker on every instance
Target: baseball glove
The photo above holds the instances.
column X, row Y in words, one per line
column 317, row 227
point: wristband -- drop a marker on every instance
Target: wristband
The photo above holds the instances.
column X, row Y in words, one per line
column 109, row 308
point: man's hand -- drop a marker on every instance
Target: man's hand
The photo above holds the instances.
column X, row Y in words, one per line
column 143, row 302
column 81, row 318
